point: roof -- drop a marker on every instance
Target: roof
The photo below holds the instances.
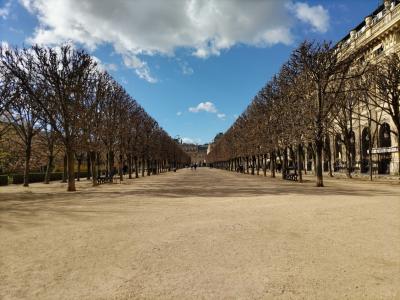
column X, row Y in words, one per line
column 362, row 24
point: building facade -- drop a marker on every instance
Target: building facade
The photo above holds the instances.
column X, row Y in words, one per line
column 378, row 35
column 197, row 153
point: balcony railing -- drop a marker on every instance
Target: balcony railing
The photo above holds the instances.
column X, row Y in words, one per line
column 380, row 21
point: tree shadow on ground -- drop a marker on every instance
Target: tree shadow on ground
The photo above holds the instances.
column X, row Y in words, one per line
column 92, row 202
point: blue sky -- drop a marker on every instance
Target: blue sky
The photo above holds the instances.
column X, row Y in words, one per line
column 194, row 65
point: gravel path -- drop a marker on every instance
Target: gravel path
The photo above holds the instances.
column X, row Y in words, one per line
column 206, row 234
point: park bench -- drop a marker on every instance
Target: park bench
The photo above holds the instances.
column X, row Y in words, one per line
column 104, row 179
column 291, row 174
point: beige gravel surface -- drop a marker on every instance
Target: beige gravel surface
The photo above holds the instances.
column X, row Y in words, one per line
column 206, row 234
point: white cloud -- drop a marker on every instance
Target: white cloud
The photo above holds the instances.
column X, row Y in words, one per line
column 187, row 140
column 185, row 68
column 221, row 116
column 317, row 16
column 104, row 66
column 111, row 67
column 15, row 30
column 207, row 107
column 123, row 80
column 5, row 10
column 179, row 113
column 204, row 106
column 141, row 67
column 140, row 28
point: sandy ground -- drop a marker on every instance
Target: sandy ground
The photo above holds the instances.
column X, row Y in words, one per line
column 207, row 234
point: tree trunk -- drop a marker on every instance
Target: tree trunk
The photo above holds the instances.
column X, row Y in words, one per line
column 318, row 163
column 78, row 175
column 264, row 164
column 136, row 168
column 110, row 163
column 258, row 164
column 93, row 165
column 129, row 157
column 319, row 139
column 305, row 160
column 330, row 164
column 88, row 166
column 284, row 164
column 148, row 164
column 71, row 170
column 49, row 167
column 65, row 172
column 121, row 167
column 328, row 153
column 272, row 164
column 299, row 163
column 347, row 145
column 143, row 167
column 348, row 162
column 28, row 152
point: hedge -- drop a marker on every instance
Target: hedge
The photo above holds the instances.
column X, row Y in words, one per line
column 3, row 180
column 33, row 177
column 81, row 174
column 56, row 176
column 17, row 178
column 39, row 177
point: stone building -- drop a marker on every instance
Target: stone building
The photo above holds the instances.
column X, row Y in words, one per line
column 197, row 153
column 376, row 36
column 211, row 145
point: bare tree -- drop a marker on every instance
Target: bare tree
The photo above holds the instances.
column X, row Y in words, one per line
column 384, row 92
column 327, row 72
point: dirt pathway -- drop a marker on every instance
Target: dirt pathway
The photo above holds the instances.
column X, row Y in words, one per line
column 201, row 234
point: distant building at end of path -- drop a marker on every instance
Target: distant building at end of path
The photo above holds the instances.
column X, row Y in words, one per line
column 197, row 153
column 211, row 145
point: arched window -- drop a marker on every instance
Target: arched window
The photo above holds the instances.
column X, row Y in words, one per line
column 384, row 142
column 352, row 148
column 384, row 136
column 338, row 147
column 365, row 138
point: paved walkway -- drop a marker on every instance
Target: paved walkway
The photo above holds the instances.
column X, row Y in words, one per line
column 201, row 234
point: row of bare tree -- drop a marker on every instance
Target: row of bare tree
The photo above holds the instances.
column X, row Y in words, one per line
column 63, row 95
column 319, row 92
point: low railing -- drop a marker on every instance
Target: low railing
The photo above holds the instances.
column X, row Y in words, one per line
column 376, row 26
